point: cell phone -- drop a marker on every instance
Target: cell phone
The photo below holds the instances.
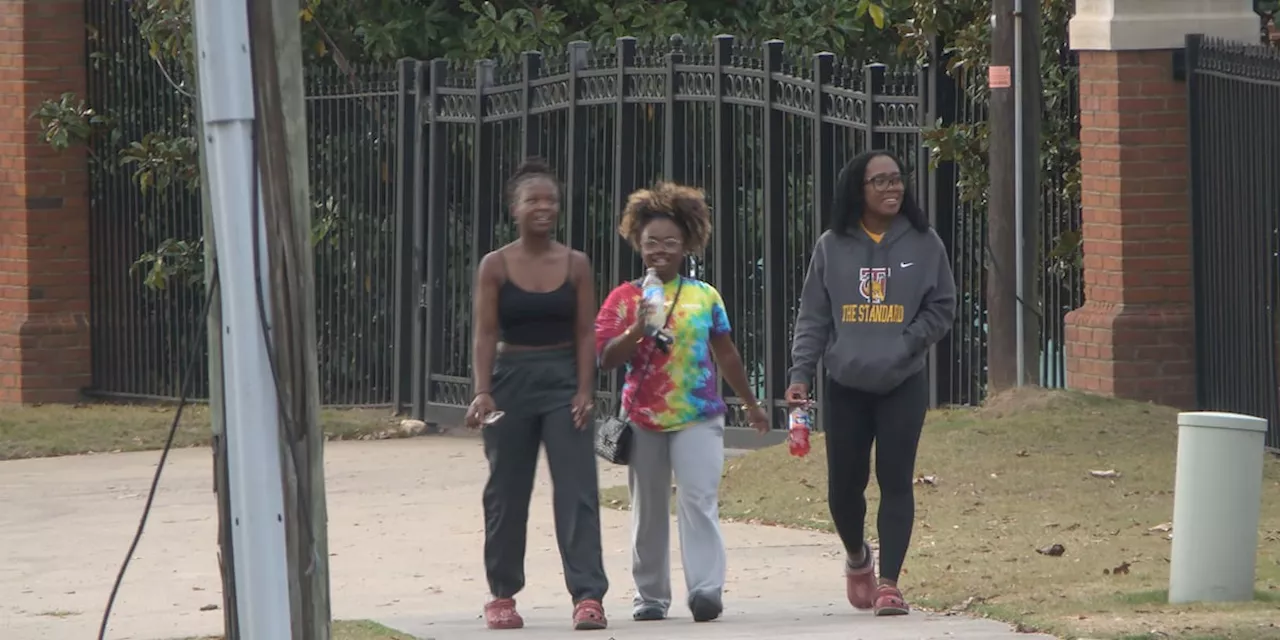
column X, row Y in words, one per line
column 492, row 418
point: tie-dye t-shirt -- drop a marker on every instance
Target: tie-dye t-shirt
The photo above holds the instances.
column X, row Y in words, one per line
column 681, row 387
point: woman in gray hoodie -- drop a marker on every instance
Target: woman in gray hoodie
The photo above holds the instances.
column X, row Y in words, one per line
column 879, row 292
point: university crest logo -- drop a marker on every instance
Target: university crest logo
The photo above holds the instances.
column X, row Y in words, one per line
column 873, row 283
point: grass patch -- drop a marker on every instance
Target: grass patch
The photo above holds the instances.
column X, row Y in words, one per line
column 1013, row 477
column 60, row 430
column 356, row 630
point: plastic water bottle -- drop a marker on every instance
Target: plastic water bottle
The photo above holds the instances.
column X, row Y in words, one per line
column 654, row 301
column 798, row 431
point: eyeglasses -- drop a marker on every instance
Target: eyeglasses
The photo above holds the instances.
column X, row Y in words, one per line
column 667, row 244
column 884, row 183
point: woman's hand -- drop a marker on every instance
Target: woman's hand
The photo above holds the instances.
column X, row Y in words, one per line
column 758, row 418
column 638, row 327
column 481, row 406
column 797, row 395
column 582, row 406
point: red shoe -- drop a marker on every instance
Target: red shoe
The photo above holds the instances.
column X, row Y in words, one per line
column 588, row 615
column 889, row 602
column 860, row 582
column 500, row 613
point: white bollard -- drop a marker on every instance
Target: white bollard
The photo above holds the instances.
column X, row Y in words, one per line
column 1217, row 497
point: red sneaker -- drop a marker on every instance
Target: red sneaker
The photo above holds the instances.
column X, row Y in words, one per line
column 588, row 615
column 500, row 613
column 860, row 581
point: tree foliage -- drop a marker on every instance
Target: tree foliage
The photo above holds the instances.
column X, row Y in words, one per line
column 351, row 32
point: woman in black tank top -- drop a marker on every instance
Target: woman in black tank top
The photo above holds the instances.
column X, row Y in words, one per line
column 533, row 360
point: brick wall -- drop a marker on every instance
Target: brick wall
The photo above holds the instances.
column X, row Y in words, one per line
column 1133, row 336
column 44, row 226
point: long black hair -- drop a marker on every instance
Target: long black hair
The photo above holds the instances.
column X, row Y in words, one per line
column 848, row 202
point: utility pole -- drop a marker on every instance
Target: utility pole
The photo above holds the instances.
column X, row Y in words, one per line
column 251, row 407
column 226, row 553
column 218, row 441
column 276, row 53
column 1013, row 349
column 1028, row 112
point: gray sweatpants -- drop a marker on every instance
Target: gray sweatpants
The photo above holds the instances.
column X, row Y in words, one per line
column 696, row 455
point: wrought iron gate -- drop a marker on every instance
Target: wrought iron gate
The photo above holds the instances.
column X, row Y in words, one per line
column 1234, row 117
column 761, row 130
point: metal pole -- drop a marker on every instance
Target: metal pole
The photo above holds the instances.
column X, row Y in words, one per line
column 1019, row 160
column 252, row 407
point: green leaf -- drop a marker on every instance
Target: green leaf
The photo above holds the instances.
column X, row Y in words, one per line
column 877, row 15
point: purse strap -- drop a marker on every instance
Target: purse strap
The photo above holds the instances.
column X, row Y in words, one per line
column 622, row 410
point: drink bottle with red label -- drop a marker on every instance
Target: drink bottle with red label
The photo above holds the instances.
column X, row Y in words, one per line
column 798, row 431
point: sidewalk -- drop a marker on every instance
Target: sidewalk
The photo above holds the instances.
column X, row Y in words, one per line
column 405, row 541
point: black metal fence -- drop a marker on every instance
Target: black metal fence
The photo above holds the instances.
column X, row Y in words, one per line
column 407, row 165
column 142, row 334
column 1234, row 99
column 763, row 130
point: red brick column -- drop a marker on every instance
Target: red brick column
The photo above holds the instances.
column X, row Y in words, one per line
column 44, row 225
column 1133, row 336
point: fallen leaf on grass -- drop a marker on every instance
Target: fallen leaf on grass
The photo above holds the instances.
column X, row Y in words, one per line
column 1023, row 453
column 964, row 606
column 1109, row 473
column 1121, row 570
column 1162, row 528
column 929, row 480
column 1053, row 550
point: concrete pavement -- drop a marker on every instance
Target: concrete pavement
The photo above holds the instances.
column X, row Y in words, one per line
column 405, row 542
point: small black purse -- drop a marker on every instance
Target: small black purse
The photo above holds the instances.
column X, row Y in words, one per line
column 613, row 434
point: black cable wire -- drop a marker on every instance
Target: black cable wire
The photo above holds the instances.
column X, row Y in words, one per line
column 188, row 375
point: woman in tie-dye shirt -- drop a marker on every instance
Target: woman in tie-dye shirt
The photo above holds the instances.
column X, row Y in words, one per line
column 672, row 396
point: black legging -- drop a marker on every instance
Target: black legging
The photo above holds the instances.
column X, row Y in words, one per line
column 893, row 421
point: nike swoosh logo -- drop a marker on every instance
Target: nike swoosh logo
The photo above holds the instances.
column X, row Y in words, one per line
column 904, row 265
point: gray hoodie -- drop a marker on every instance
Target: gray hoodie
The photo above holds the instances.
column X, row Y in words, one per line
column 872, row 310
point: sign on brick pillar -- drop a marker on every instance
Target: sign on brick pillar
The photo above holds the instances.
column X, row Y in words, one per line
column 44, row 256
column 1133, row 337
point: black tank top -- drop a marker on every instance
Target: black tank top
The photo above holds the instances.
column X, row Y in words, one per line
column 534, row 318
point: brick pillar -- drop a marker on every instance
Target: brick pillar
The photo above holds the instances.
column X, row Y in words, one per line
column 44, row 211
column 1133, row 337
